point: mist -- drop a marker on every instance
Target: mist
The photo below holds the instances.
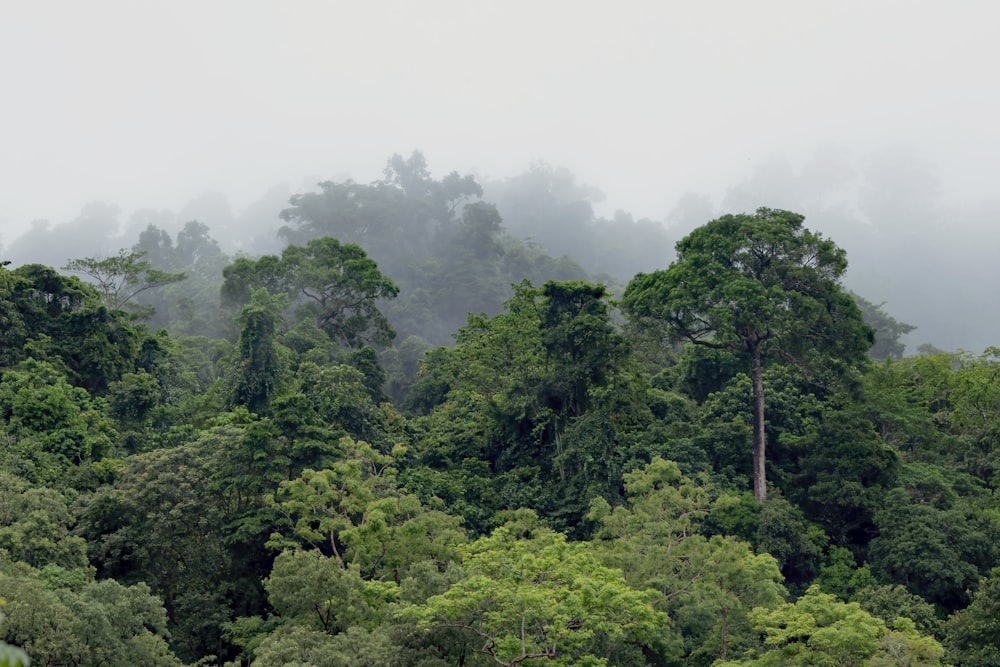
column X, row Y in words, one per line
column 874, row 120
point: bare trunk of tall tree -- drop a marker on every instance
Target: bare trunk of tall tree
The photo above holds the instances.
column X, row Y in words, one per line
column 759, row 476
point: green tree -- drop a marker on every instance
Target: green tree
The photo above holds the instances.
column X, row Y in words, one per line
column 937, row 553
column 161, row 524
column 52, row 425
column 318, row 592
column 341, row 288
column 336, row 285
column 121, row 278
column 353, row 512
column 756, row 284
column 844, row 473
column 13, row 331
column 64, row 318
column 708, row 584
column 259, row 363
column 892, row 601
column 35, row 525
column 66, row 618
column 543, row 598
column 972, row 635
column 545, row 393
column 818, row 629
column 293, row 645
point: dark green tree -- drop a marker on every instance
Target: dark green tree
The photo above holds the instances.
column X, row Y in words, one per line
column 13, row 331
column 64, row 318
column 164, row 524
column 756, row 283
column 545, row 394
column 337, row 285
column 341, row 288
column 937, row 549
column 258, row 368
column 973, row 634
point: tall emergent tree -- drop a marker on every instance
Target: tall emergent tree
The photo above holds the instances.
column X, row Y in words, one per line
column 122, row 277
column 335, row 284
column 755, row 284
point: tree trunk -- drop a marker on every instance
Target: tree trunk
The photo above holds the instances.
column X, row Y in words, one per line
column 724, row 638
column 759, row 476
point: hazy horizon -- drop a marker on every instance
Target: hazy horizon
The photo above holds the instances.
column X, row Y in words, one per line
column 875, row 120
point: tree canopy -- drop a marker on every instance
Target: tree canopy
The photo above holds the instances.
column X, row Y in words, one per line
column 335, row 284
column 255, row 483
column 122, row 277
column 755, row 283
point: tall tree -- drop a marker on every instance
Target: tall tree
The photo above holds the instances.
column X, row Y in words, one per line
column 122, row 277
column 341, row 287
column 257, row 367
column 335, row 283
column 756, row 283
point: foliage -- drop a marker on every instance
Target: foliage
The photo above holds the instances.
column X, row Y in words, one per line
column 548, row 386
column 820, row 630
column 939, row 554
column 352, row 512
column 122, row 277
column 35, row 525
column 87, row 623
column 250, row 496
column 887, row 330
column 65, row 320
column 708, row 584
column 542, row 597
column 51, row 426
column 152, row 526
column 13, row 329
column 973, row 634
column 336, row 285
column 258, row 366
column 753, row 283
column 321, row 593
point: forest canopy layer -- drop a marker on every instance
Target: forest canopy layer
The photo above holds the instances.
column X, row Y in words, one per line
column 411, row 437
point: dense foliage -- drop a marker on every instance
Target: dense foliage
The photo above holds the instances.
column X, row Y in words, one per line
column 261, row 473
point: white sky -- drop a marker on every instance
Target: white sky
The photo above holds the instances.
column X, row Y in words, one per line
column 147, row 104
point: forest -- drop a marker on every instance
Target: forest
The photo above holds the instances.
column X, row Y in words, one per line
column 422, row 427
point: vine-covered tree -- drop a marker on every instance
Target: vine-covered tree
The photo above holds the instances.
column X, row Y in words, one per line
column 257, row 367
column 755, row 283
column 336, row 284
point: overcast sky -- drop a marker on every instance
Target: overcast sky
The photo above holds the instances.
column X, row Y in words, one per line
column 147, row 104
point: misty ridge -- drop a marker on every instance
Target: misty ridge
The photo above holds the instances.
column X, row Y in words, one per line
column 455, row 243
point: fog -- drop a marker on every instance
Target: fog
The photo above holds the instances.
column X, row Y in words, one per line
column 877, row 120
